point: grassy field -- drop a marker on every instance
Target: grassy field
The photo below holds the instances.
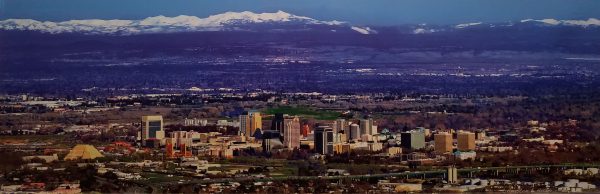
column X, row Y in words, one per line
column 304, row 112
column 55, row 140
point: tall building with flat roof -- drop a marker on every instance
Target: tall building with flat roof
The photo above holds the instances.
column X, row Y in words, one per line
column 270, row 140
column 291, row 132
column 324, row 140
column 443, row 142
column 466, row 141
column 152, row 128
column 412, row 139
column 249, row 122
column 277, row 122
column 341, row 125
column 366, row 126
column 354, row 132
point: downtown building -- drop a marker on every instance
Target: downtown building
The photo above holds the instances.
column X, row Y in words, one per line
column 443, row 142
column 152, row 132
column 414, row 139
column 465, row 141
column 291, row 132
column 367, row 127
column 324, row 140
column 249, row 122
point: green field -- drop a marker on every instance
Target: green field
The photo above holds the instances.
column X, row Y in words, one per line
column 304, row 112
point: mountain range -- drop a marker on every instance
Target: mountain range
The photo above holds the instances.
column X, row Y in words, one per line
column 249, row 21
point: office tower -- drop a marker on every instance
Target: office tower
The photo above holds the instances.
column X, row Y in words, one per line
column 466, row 141
column 412, row 139
column 443, row 142
column 291, row 133
column 354, row 132
column 244, row 122
column 270, row 139
column 324, row 140
column 426, row 131
column 340, row 126
column 277, row 123
column 152, row 128
column 249, row 122
column 366, row 126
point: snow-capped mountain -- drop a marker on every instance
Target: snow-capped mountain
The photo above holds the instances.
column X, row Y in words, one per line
column 161, row 24
column 364, row 30
column 538, row 24
column 467, row 24
column 279, row 21
column 555, row 22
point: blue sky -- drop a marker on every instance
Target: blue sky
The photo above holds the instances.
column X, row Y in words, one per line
column 368, row 12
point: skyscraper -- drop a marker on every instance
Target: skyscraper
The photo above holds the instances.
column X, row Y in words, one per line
column 277, row 122
column 249, row 122
column 354, row 132
column 152, row 128
column 291, row 132
column 324, row 140
column 443, row 142
column 340, row 126
column 271, row 139
column 412, row 139
column 466, row 141
column 366, row 126
column 244, row 122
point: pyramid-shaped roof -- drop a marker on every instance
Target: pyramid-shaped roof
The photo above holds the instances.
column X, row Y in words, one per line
column 83, row 151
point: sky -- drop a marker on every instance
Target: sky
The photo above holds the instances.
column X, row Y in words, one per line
column 366, row 12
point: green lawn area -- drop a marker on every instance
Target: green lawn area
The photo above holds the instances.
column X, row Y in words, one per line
column 285, row 171
column 304, row 112
column 55, row 140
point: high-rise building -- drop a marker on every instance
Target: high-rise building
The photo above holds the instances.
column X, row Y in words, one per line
column 152, row 128
column 443, row 142
column 340, row 126
column 277, row 122
column 466, row 141
column 413, row 139
column 324, row 140
column 249, row 122
column 354, row 132
column 366, row 126
column 270, row 139
column 244, row 122
column 291, row 132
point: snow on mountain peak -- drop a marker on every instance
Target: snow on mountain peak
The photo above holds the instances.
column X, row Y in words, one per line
column 467, row 25
column 365, row 30
column 554, row 22
column 158, row 23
